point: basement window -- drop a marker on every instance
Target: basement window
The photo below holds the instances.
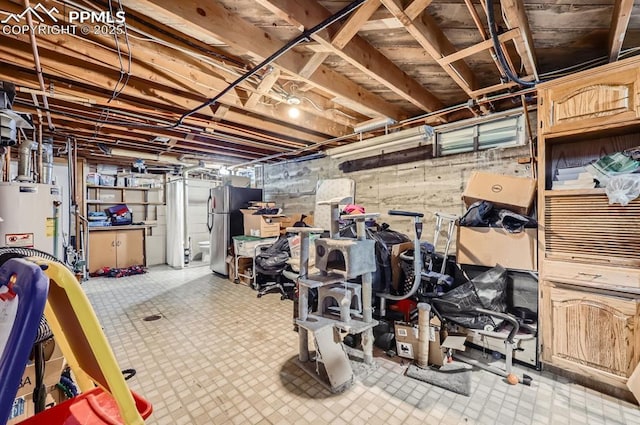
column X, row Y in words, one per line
column 474, row 135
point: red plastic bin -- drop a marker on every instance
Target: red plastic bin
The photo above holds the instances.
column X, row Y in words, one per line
column 94, row 407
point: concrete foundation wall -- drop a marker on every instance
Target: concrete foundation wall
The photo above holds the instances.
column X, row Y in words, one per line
column 429, row 186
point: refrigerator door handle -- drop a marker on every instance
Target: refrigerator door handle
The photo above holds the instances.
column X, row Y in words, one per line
column 210, row 213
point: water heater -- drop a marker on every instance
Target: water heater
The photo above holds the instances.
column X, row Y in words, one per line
column 30, row 215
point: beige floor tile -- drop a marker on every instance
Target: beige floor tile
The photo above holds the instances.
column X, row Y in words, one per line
column 219, row 355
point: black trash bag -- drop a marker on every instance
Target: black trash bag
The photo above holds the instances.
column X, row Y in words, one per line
column 478, row 214
column 491, row 287
column 487, row 290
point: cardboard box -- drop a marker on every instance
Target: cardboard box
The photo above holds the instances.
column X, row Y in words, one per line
column 513, row 193
column 54, row 362
column 262, row 226
column 23, row 406
column 488, row 246
column 407, row 341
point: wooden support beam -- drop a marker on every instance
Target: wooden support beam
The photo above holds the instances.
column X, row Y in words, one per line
column 209, row 19
column 430, row 36
column 416, row 7
column 477, row 48
column 144, row 94
column 516, row 17
column 619, row 23
column 263, row 87
column 161, row 65
column 312, row 64
column 143, row 90
column 358, row 52
column 354, row 22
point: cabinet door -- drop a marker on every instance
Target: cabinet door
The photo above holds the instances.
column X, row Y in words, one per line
column 597, row 99
column 102, row 249
column 130, row 248
column 589, row 333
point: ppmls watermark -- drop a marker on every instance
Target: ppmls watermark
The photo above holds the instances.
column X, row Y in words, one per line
column 78, row 22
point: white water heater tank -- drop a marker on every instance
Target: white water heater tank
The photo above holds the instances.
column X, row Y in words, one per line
column 30, row 216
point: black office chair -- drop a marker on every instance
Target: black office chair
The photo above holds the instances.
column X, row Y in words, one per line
column 270, row 263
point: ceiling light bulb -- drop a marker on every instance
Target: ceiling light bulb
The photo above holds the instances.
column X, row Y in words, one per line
column 294, row 112
column 293, row 100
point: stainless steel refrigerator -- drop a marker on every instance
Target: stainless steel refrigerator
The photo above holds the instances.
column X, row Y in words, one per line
column 224, row 220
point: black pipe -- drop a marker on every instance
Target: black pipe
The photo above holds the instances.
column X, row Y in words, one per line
column 491, row 21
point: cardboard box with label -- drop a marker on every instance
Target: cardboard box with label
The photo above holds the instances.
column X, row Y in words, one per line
column 23, row 406
column 513, row 193
column 260, row 225
column 407, row 341
column 488, row 246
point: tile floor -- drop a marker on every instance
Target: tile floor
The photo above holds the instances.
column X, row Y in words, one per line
column 219, row 355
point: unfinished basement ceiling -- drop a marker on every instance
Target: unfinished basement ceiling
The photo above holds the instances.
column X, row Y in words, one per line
column 126, row 86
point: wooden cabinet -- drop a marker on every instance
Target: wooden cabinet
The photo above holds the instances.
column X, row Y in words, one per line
column 116, row 248
column 600, row 97
column 591, row 333
column 589, row 250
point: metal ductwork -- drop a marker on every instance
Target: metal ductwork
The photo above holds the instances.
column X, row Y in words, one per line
column 24, row 161
column 47, row 162
column 10, row 122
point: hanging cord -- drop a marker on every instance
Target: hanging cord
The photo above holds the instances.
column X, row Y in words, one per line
column 491, row 21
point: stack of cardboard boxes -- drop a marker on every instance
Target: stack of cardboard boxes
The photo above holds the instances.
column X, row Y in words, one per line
column 488, row 246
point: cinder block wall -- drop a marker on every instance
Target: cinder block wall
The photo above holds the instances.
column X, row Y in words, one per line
column 429, row 186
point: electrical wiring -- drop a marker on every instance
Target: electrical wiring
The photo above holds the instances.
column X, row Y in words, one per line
column 497, row 47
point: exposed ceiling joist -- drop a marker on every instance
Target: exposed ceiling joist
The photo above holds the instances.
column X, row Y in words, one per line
column 430, row 36
column 619, row 23
column 416, row 7
column 198, row 20
column 357, row 52
column 516, row 17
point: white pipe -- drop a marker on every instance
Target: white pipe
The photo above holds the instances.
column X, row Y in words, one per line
column 36, row 61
